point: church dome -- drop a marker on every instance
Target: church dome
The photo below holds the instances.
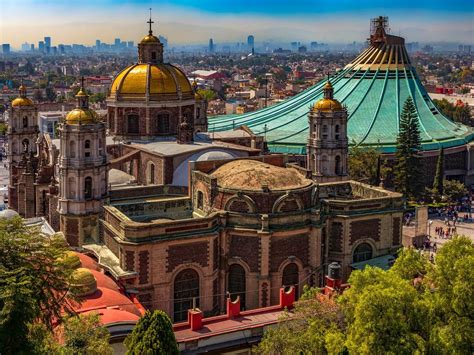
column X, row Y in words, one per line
column 247, row 174
column 327, row 105
column 22, row 101
column 83, row 282
column 150, row 39
column 145, row 81
column 82, row 116
column 71, row 259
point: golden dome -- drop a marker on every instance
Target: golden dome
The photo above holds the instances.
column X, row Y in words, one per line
column 81, row 93
column 83, row 282
column 159, row 81
column 82, row 116
column 150, row 39
column 71, row 259
column 328, row 85
column 327, row 105
column 247, row 174
column 22, row 101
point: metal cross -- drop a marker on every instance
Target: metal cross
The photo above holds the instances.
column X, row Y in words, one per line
column 150, row 22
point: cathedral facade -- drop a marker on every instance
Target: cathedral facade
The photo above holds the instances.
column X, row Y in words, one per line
column 183, row 219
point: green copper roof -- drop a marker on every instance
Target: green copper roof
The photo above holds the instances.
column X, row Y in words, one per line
column 374, row 88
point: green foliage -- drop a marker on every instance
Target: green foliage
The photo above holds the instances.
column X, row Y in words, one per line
column 33, row 283
column 314, row 326
column 454, row 190
column 3, row 129
column 408, row 175
column 363, row 164
column 153, row 334
column 414, row 308
column 458, row 113
column 99, row 97
column 85, row 335
column 438, row 186
column 50, row 94
column 207, row 94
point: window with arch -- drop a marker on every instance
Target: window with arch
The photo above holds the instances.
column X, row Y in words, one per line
column 200, row 200
column 186, row 289
column 236, row 282
column 87, row 147
column 151, row 173
column 163, row 123
column 88, row 188
column 25, row 121
column 71, row 187
column 132, row 124
column 337, row 165
column 290, row 277
column 363, row 252
column 336, row 130
column 72, row 149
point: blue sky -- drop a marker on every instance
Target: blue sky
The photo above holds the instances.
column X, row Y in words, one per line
column 187, row 21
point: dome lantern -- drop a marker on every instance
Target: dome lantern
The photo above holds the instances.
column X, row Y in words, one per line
column 22, row 99
column 150, row 49
column 82, row 114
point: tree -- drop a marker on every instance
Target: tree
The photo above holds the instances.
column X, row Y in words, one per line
column 99, row 97
column 207, row 94
column 34, row 282
column 408, row 175
column 438, row 180
column 50, row 94
column 363, row 164
column 454, row 190
column 153, row 334
column 84, row 334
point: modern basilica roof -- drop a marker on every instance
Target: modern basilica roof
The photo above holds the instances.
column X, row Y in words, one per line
column 373, row 87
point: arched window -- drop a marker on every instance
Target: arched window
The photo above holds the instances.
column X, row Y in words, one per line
column 88, row 188
column 72, row 149
column 363, row 252
column 163, row 123
column 132, row 124
column 87, row 147
column 186, row 288
column 200, row 200
column 237, row 283
column 151, row 173
column 25, row 121
column 153, row 55
column 291, row 277
column 337, row 166
column 71, row 187
column 336, row 130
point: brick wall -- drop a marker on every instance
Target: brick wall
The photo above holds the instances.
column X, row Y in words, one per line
column 396, row 232
column 247, row 248
column 129, row 260
column 143, row 261
column 336, row 237
column 368, row 228
column 283, row 247
column 188, row 253
column 215, row 254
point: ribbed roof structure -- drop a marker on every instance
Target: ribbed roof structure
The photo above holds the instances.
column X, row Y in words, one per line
column 373, row 87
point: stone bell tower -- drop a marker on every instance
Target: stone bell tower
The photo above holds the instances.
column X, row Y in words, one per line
column 327, row 148
column 22, row 135
column 83, row 169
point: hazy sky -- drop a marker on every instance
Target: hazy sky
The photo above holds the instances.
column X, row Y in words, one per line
column 186, row 21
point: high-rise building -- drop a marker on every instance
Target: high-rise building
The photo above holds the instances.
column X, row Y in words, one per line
column 97, row 44
column 25, row 47
column 47, row 44
column 32, row 48
column 117, row 43
column 251, row 43
column 211, row 45
column 130, row 44
column 6, row 48
column 41, row 46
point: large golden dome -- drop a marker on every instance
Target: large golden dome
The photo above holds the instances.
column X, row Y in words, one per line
column 327, row 105
column 22, row 100
column 82, row 116
column 151, row 81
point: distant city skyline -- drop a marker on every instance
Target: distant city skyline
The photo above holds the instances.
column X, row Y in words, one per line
column 193, row 22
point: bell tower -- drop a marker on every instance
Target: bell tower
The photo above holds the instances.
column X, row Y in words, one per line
column 327, row 147
column 150, row 49
column 22, row 135
column 83, row 170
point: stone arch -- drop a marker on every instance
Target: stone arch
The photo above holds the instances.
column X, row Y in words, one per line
column 362, row 251
column 200, row 200
column 287, row 203
column 88, row 188
column 237, row 282
column 186, row 283
column 150, row 172
column 25, row 121
column 290, row 276
column 240, row 203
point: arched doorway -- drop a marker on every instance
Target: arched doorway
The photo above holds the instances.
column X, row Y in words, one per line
column 186, row 288
column 291, row 277
column 237, row 283
column 363, row 252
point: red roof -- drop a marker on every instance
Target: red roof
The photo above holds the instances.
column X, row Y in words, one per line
column 104, row 281
column 88, row 263
column 104, row 298
column 113, row 315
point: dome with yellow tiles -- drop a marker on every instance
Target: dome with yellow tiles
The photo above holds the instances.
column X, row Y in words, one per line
column 327, row 105
column 150, row 39
column 151, row 82
column 22, row 100
column 83, row 282
column 82, row 116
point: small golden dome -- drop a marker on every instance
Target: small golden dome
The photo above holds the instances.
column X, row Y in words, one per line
column 22, row 101
column 327, row 105
column 150, row 39
column 81, row 93
column 156, row 80
column 82, row 116
column 83, row 282
column 328, row 85
column 71, row 259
